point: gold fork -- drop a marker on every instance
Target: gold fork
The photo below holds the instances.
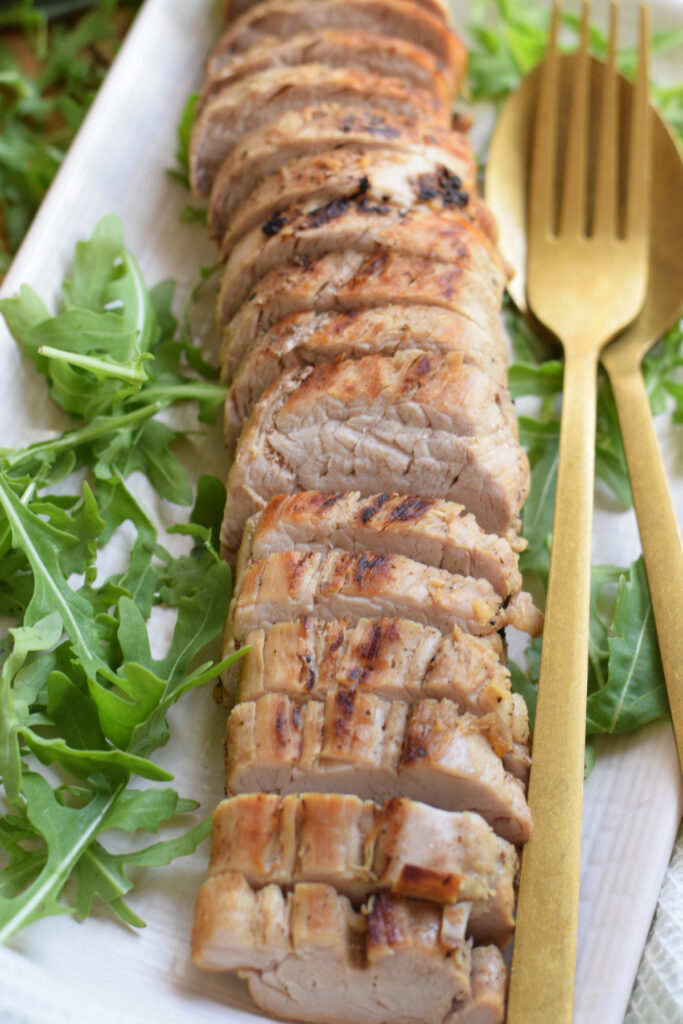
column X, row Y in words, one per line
column 586, row 281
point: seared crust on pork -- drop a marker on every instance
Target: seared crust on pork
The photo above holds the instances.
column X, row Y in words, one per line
column 395, row 659
column 437, row 533
column 427, row 428
column 405, row 848
column 296, row 133
column 372, row 176
column 370, row 51
column 352, row 280
column 339, row 584
column 357, row 743
column 403, row 960
column 261, row 98
column 448, row 235
column 282, row 19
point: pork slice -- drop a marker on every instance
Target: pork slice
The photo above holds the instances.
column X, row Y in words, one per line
column 424, row 426
column 234, row 8
column 370, row 51
column 350, row 174
column 403, row 960
column 435, row 532
column 296, row 133
column 474, row 378
column 406, row 848
column 375, row 749
column 447, row 235
column 352, row 280
column 308, row 339
column 282, row 19
column 261, row 98
column 357, row 584
column 396, row 659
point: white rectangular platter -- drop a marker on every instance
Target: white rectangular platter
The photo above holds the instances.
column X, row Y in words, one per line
column 62, row 971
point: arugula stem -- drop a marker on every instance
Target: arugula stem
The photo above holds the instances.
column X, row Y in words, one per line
column 117, row 370
column 84, row 435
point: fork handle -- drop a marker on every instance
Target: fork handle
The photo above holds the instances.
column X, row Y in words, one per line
column 658, row 528
column 544, row 959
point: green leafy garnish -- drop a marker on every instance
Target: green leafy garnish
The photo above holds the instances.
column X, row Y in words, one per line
column 80, row 692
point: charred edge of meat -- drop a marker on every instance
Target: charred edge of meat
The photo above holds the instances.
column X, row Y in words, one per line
column 410, row 509
column 443, row 185
column 337, row 208
column 274, row 225
column 366, row 514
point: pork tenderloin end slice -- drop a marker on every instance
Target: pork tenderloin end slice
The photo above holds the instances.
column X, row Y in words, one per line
column 405, row 959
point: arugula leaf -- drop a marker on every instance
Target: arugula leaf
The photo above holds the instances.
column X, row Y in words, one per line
column 634, row 692
column 79, row 689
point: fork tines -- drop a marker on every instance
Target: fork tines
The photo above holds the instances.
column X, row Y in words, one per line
column 580, row 205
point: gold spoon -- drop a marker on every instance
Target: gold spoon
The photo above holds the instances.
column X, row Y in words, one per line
column 505, row 192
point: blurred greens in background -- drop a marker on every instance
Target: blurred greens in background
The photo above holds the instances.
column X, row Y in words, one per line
column 53, row 58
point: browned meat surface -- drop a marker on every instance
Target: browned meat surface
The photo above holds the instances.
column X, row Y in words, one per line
column 308, row 339
column 396, row 659
column 351, row 280
column 283, row 19
column 428, row 530
column 447, row 236
column 376, row 423
column 406, row 848
column 341, row 48
column 358, row 743
column 263, row 97
column 339, row 584
column 296, row 133
column 399, row 960
column 372, row 176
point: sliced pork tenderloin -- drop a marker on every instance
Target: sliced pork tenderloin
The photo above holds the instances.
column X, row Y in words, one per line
column 307, row 955
column 307, row 339
column 264, row 96
column 428, row 530
column 340, row 48
column 340, row 584
column 396, row 659
column 263, row 152
column 373, row 177
column 447, row 236
column 346, row 281
column 405, row 848
column 282, row 19
column 360, row 744
column 424, row 426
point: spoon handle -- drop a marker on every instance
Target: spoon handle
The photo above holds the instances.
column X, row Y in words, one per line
column 658, row 528
column 541, row 984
